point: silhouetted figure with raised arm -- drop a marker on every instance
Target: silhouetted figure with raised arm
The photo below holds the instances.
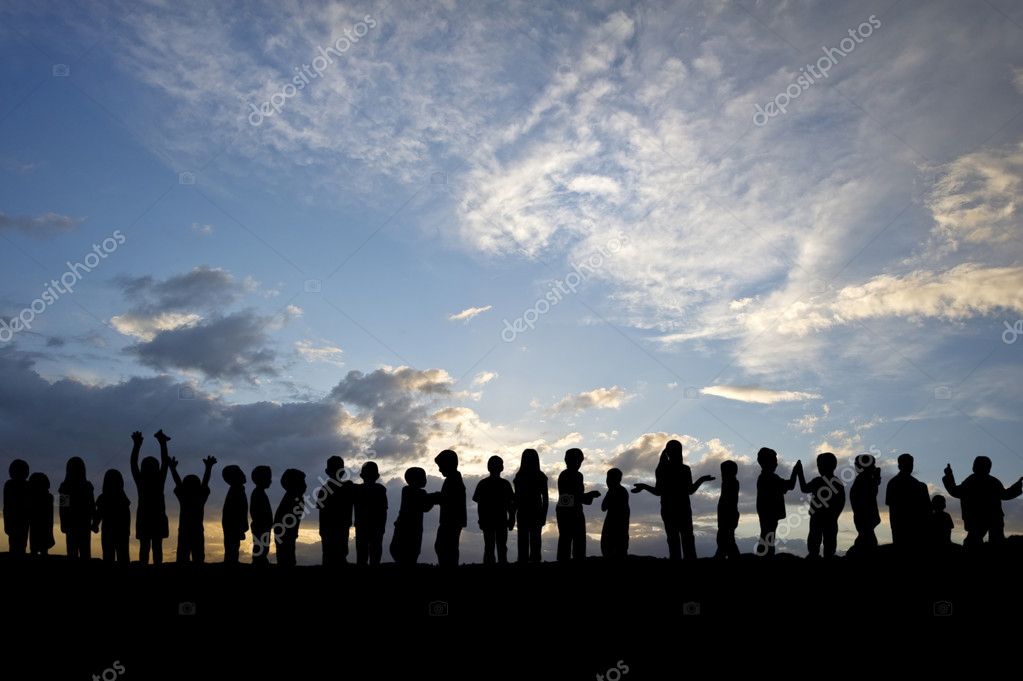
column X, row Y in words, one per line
column 40, row 507
column 673, row 483
column 496, row 505
column 235, row 517
column 113, row 513
column 980, row 495
column 614, row 536
column 909, row 506
column 192, row 494
column 728, row 511
column 771, row 489
column 336, row 513
column 941, row 524
column 261, row 515
column 16, row 507
column 827, row 499
column 453, row 516
column 531, row 505
column 77, row 506
column 863, row 500
column 370, row 516
column 407, row 539
column 289, row 516
column 151, row 526
column 569, row 511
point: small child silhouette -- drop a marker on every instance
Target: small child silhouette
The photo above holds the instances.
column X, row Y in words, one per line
column 192, row 494
column 262, row 515
column 289, row 516
column 407, row 540
column 370, row 516
column 151, row 526
column 531, row 505
column 771, row 489
column 827, row 499
column 496, row 505
column 614, row 536
column 40, row 502
column 728, row 511
column 77, row 506
column 235, row 517
column 941, row 524
column 17, row 514
column 113, row 512
column 569, row 511
column 336, row 513
column 451, row 499
column 863, row 499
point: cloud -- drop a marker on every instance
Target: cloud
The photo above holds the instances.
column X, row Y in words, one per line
column 484, row 377
column 598, row 398
column 144, row 327
column 202, row 229
column 749, row 393
column 468, row 313
column 47, row 224
column 311, row 352
column 594, row 184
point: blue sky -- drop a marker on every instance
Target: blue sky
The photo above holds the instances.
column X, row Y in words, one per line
column 340, row 278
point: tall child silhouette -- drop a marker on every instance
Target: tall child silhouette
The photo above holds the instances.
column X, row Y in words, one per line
column 981, row 496
column 569, row 511
column 614, row 536
column 863, row 499
column 451, row 499
column 192, row 495
column 673, row 483
column 370, row 516
column 16, row 507
column 771, row 489
column 151, row 526
column 336, row 513
column 909, row 507
column 827, row 499
column 496, row 504
column 289, row 516
column 235, row 517
column 728, row 511
column 77, row 506
column 531, row 505
column 407, row 540
column 40, row 507
column 261, row 514
column 113, row 513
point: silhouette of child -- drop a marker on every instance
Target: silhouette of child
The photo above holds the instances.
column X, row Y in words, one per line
column 40, row 501
column 909, row 507
column 192, row 494
column 496, row 505
column 941, row 523
column 673, row 483
column 289, row 516
column 771, row 491
column 614, row 536
column 235, row 517
column 863, row 499
column 151, row 526
column 728, row 511
column 827, row 499
column 336, row 513
column 451, row 499
column 531, row 505
column 569, row 512
column 113, row 512
column 407, row 540
column 370, row 516
column 77, row 506
column 980, row 496
column 17, row 514
column 262, row 515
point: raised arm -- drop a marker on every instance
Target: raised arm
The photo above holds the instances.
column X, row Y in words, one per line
column 797, row 474
column 136, row 446
column 165, row 459
column 798, row 470
column 643, row 487
column 172, row 463
column 1013, row 490
column 949, row 481
column 209, row 461
column 699, row 481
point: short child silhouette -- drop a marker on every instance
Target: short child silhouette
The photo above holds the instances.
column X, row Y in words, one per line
column 728, row 511
column 614, row 536
column 941, row 523
column 17, row 514
column 771, row 489
column 151, row 526
column 261, row 514
column 827, row 499
column 496, row 504
column 336, row 513
column 407, row 540
column 370, row 516
column 113, row 513
column 192, row 494
column 235, row 517
column 289, row 516
column 77, row 506
column 863, row 500
column 40, row 502
column 569, row 511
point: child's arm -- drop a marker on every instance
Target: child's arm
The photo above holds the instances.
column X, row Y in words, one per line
column 588, row 497
column 136, row 445
column 546, row 496
column 95, row 519
column 1014, row 490
column 642, row 486
column 173, row 464
column 165, row 460
column 797, row 472
column 949, row 481
column 209, row 461
column 699, row 481
column 511, row 507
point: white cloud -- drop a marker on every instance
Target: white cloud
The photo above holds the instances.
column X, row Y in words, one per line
column 757, row 395
column 484, row 377
column 598, row 398
column 145, row 327
column 311, row 352
column 468, row 313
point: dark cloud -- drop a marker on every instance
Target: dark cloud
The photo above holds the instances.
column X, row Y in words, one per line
column 46, row 224
column 202, row 288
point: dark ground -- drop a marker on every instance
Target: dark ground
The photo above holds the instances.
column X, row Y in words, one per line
column 540, row 621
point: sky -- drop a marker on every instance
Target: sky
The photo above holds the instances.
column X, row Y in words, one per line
column 284, row 231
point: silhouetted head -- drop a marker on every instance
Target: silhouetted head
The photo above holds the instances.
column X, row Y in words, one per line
column 191, row 484
column 262, row 476
column 75, row 471
column 293, row 482
column 495, row 465
column 149, row 466
column 335, row 467
column 574, row 458
column 673, row 448
column 768, row 459
column 233, row 475
column 729, row 470
column 415, row 477
column 530, row 462
column 826, row 464
column 614, row 477
column 447, row 462
column 865, row 462
column 369, row 472
column 113, row 482
column 18, row 470
column 938, row 503
column 39, row 482
column 982, row 465
column 905, row 462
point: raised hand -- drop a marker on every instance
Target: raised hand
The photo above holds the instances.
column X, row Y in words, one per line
column 161, row 438
column 209, row 461
column 704, row 478
column 173, row 462
column 948, row 469
column 136, row 438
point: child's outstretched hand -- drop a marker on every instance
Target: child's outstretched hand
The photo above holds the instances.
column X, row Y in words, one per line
column 638, row 487
column 173, row 462
column 161, row 437
column 704, row 478
column 136, row 438
column 209, row 461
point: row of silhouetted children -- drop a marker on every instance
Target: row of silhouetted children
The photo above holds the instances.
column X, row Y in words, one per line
column 918, row 522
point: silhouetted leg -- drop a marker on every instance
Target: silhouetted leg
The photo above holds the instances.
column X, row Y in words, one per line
column 17, row 543
column 688, row 543
column 489, row 541
column 996, row 533
column 199, row 549
column 415, row 547
column 579, row 537
column 144, row 551
column 376, row 548
column 122, row 552
column 260, row 548
column 502, row 544
column 183, row 547
column 232, row 547
column 831, row 538
column 535, row 555
column 564, row 538
column 343, row 548
column 768, row 536
column 107, row 545
column 813, row 539
column 157, row 546
column 671, row 529
column 361, row 547
column 974, row 537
